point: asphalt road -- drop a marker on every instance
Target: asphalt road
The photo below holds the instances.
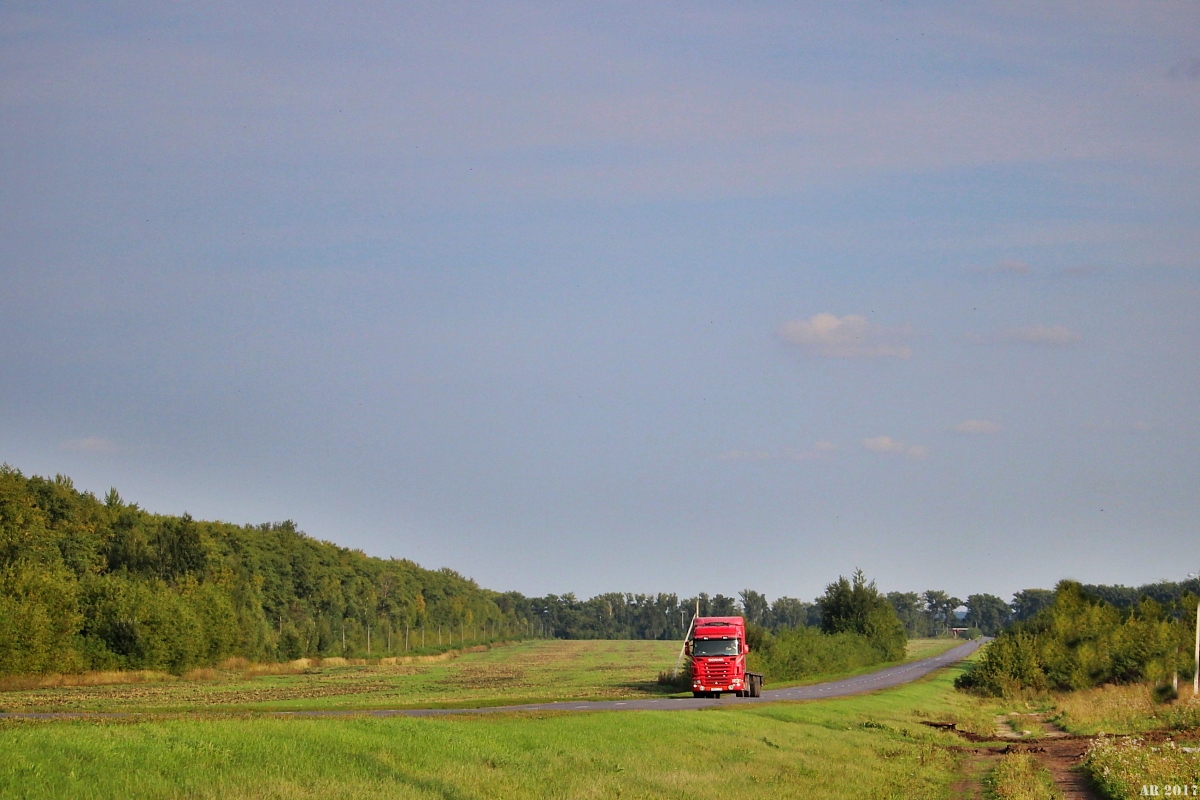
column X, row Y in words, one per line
column 870, row 682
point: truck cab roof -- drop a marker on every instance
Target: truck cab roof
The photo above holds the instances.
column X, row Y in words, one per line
column 719, row 628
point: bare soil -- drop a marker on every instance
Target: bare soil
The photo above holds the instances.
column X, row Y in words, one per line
column 1058, row 751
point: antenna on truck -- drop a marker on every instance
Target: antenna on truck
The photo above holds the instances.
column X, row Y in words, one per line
column 683, row 647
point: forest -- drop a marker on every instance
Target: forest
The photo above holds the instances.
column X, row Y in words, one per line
column 91, row 584
column 96, row 584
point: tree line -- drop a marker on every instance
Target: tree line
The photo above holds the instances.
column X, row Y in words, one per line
column 1086, row 636
column 89, row 583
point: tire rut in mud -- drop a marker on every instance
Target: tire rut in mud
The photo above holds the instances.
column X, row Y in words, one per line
column 1060, row 752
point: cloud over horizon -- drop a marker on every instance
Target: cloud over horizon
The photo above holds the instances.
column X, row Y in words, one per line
column 851, row 336
column 886, row 444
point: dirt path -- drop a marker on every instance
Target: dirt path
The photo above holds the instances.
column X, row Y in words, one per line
column 1058, row 751
column 969, row 785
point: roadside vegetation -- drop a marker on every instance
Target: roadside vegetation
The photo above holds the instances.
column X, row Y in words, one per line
column 1124, row 767
column 1124, row 709
column 1079, row 641
column 859, row 628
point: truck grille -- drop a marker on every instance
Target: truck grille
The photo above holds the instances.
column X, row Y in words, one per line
column 714, row 671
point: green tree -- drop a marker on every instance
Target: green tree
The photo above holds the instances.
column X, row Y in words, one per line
column 1027, row 603
column 910, row 609
column 754, row 607
column 788, row 612
column 38, row 610
column 856, row 606
column 939, row 611
column 987, row 612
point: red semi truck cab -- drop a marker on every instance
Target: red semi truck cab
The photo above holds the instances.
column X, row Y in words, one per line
column 718, row 650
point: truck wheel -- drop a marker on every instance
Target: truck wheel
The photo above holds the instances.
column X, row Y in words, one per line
column 757, row 688
column 697, row 695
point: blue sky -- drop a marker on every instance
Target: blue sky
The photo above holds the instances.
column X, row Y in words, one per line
column 683, row 297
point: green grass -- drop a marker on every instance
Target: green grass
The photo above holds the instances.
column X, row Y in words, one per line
column 855, row 747
column 528, row 671
column 924, row 648
column 1018, row 776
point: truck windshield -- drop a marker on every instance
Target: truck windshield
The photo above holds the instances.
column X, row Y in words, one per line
column 715, row 647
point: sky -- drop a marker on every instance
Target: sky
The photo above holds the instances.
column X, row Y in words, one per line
column 577, row 297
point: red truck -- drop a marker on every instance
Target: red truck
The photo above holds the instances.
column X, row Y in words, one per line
column 718, row 649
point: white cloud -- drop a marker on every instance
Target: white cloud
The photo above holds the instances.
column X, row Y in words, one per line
column 883, row 444
column 983, row 426
column 89, row 444
column 1053, row 335
column 886, row 444
column 850, row 336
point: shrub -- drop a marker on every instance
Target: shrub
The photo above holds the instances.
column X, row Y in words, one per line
column 1078, row 642
column 1164, row 693
column 803, row 652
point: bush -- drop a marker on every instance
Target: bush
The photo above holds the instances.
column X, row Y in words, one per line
column 1078, row 642
column 856, row 606
column 799, row 653
column 1008, row 665
column 1164, row 693
column 680, row 681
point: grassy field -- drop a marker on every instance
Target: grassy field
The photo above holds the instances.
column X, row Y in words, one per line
column 865, row 746
column 1125, row 709
column 528, row 671
column 509, row 674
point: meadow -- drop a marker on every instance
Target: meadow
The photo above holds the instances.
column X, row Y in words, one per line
column 507, row 674
column 921, row 740
column 864, row 746
column 512, row 673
